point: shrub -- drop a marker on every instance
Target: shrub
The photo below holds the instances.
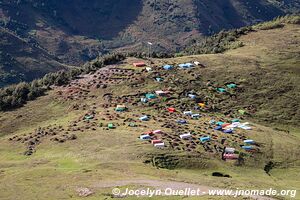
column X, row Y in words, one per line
column 278, row 22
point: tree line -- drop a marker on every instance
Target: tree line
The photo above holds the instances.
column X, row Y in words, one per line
column 17, row 95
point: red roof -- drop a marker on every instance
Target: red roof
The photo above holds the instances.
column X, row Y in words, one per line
column 230, row 156
column 156, row 141
column 224, row 125
column 149, row 133
column 171, row 109
column 139, row 64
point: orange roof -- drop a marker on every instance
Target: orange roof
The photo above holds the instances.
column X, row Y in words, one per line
column 139, row 64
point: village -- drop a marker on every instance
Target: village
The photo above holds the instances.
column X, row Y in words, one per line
column 172, row 117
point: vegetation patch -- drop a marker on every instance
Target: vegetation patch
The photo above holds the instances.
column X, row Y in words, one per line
column 177, row 161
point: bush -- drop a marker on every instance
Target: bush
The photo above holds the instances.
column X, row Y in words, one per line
column 218, row 43
column 278, row 22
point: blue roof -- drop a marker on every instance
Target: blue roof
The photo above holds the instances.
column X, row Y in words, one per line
column 247, row 147
column 145, row 137
column 193, row 96
column 218, row 128
column 186, row 65
column 168, row 67
column 228, row 131
column 181, row 121
column 204, row 139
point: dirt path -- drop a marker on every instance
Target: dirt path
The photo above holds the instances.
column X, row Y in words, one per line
column 162, row 185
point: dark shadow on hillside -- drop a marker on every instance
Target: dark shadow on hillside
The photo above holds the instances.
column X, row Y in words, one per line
column 227, row 14
column 93, row 18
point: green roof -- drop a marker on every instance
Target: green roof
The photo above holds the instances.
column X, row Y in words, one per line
column 221, row 90
column 111, row 125
column 232, row 85
column 150, row 96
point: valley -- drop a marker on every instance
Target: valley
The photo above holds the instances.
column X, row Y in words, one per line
column 48, row 36
column 73, row 138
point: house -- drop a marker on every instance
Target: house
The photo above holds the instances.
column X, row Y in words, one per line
column 231, row 85
column 221, row 90
column 89, row 117
column 148, row 69
column 156, row 141
column 196, row 116
column 151, row 96
column 192, row 96
column 120, row 108
column 197, row 63
column 225, row 125
column 157, row 132
column 247, row 148
column 144, row 100
column 171, row 109
column 132, row 124
column 202, row 105
column 205, row 139
column 189, row 64
column 144, row 118
column 229, row 150
column 111, row 126
column 218, row 128
column 242, row 126
column 249, row 142
column 168, row 67
column 159, row 145
column 188, row 113
column 181, row 121
column 145, row 137
column 233, row 125
column 228, row 131
column 235, row 120
column 139, row 64
column 230, row 156
column 219, row 123
column 161, row 93
column 149, row 133
column 186, row 65
column 185, row 136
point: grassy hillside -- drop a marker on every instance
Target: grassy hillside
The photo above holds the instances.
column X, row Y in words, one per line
column 66, row 152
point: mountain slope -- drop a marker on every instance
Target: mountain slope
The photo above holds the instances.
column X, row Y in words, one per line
column 69, row 145
column 22, row 61
column 74, row 32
